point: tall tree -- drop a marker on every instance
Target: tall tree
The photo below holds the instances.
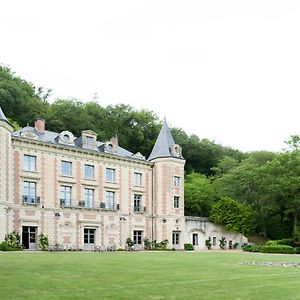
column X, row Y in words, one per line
column 199, row 195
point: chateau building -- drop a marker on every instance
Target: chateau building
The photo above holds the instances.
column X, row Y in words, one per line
column 83, row 193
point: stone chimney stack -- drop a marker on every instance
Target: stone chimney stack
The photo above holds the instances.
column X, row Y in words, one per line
column 40, row 125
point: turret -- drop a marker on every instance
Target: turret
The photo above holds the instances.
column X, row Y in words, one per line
column 168, row 194
column 5, row 175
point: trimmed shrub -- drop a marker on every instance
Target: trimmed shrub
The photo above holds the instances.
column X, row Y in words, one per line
column 297, row 250
column 222, row 242
column 251, row 248
column 43, row 242
column 147, row 244
column 277, row 249
column 208, row 243
column 4, row 246
column 13, row 241
column 188, row 247
column 289, row 242
column 272, row 243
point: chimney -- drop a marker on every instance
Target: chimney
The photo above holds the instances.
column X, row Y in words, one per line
column 39, row 125
column 114, row 141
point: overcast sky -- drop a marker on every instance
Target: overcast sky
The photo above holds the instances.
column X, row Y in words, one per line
column 226, row 70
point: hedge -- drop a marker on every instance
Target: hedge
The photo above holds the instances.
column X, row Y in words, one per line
column 277, row 249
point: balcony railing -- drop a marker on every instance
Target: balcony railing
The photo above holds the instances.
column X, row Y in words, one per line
column 85, row 204
column 65, row 203
column 109, row 206
column 31, row 200
column 139, row 209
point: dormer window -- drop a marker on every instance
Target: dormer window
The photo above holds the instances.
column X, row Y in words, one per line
column 66, row 137
column 176, row 150
column 89, row 139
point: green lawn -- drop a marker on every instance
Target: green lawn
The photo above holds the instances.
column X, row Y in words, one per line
column 142, row 275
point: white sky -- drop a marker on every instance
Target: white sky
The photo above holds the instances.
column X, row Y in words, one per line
column 226, row 70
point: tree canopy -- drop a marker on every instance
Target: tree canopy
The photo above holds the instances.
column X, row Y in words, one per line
column 231, row 187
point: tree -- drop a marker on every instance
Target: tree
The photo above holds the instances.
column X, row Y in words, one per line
column 18, row 99
column 199, row 195
column 244, row 182
column 234, row 215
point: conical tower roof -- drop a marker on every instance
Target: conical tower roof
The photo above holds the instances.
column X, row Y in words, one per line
column 163, row 144
column 2, row 115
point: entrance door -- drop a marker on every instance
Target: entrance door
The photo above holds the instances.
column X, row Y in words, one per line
column 89, row 238
column 175, row 239
column 29, row 237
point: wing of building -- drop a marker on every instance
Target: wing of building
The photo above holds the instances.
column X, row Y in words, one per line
column 83, row 193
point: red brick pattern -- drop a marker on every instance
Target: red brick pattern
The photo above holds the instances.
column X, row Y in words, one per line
column 67, row 239
column 164, row 184
column 89, row 217
column 17, row 196
column 56, row 183
column 17, row 225
column 78, row 181
column 30, row 212
column 77, row 231
column 101, row 184
column 43, row 190
column 7, row 166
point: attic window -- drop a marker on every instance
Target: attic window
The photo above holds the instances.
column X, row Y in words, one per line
column 66, row 137
column 89, row 141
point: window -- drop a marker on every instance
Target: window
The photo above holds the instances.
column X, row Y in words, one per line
column 110, row 200
column 29, row 163
column 29, row 195
column 195, row 239
column 89, row 142
column 214, row 241
column 176, row 181
column 66, row 168
column 137, row 202
column 89, row 197
column 65, row 195
column 176, row 201
column 89, row 235
column 137, row 237
column 175, row 238
column 137, row 179
column 110, row 175
column 88, row 172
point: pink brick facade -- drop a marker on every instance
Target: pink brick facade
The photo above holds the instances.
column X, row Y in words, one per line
column 82, row 220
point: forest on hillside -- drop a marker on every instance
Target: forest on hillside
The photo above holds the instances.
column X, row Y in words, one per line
column 248, row 192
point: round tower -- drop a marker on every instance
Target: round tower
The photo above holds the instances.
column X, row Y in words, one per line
column 168, row 190
column 6, row 163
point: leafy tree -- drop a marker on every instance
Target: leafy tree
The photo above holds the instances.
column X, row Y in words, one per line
column 199, row 195
column 234, row 215
column 244, row 182
column 18, row 99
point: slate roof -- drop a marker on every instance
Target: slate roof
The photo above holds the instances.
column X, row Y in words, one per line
column 163, row 143
column 51, row 137
column 2, row 115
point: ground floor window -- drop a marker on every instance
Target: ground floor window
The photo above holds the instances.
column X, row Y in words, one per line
column 195, row 239
column 137, row 237
column 175, row 238
column 89, row 235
